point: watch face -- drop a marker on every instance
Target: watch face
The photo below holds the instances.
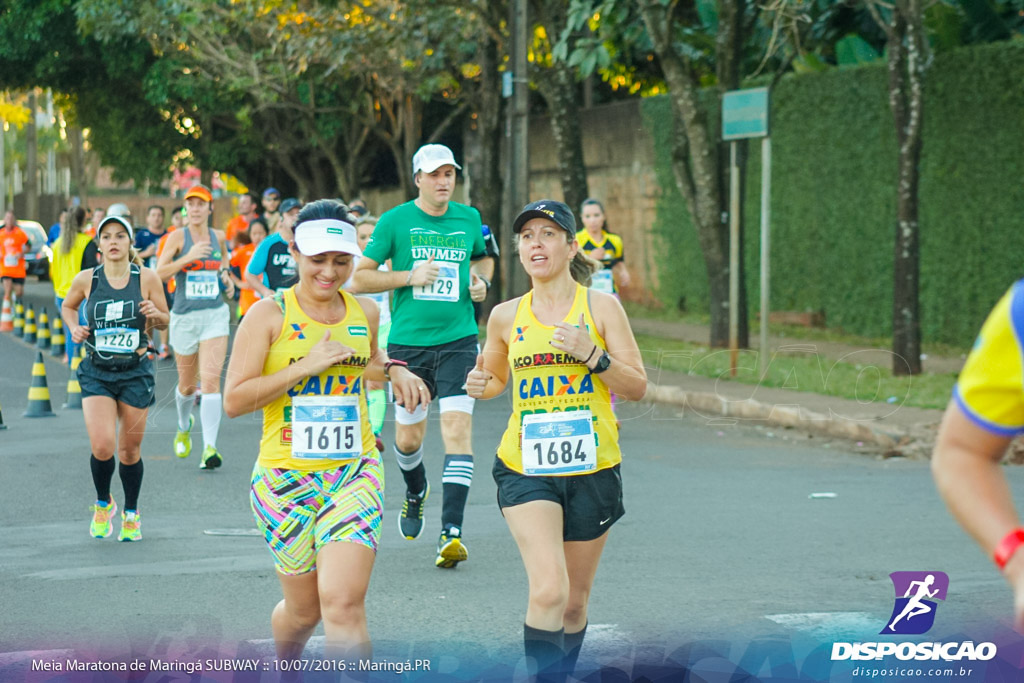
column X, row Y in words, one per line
column 603, row 362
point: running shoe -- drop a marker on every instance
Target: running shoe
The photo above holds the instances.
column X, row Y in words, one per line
column 211, row 459
column 131, row 526
column 101, row 516
column 410, row 522
column 165, row 353
column 183, row 440
column 450, row 549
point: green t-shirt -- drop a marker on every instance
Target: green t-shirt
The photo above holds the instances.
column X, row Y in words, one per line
column 442, row 312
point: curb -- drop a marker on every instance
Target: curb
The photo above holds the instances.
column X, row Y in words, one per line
column 712, row 405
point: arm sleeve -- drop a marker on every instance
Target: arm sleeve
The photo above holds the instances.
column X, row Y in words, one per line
column 990, row 389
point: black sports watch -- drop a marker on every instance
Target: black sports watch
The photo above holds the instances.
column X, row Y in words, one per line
column 603, row 363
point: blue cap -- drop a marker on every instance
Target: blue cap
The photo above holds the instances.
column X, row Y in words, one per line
column 272, row 190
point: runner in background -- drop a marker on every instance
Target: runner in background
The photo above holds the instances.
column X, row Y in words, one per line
column 272, row 267
column 197, row 259
column 248, row 240
column 147, row 240
column 65, row 264
column 606, row 247
column 439, row 268
column 557, row 467
column 125, row 300
column 271, row 207
column 14, row 244
column 247, row 205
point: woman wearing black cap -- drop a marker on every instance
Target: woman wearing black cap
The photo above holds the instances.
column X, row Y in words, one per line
column 125, row 302
column 557, row 467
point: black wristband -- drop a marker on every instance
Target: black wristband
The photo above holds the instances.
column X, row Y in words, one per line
column 592, row 351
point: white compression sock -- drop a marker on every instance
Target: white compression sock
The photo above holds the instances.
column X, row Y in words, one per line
column 209, row 416
column 184, row 406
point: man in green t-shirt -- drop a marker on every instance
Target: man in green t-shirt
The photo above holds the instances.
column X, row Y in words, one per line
column 439, row 267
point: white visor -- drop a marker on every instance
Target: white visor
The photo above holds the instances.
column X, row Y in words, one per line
column 326, row 234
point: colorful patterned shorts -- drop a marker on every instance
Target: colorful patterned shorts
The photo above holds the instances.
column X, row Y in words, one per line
column 299, row 511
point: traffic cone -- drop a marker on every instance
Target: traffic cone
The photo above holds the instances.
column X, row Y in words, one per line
column 19, row 320
column 38, row 392
column 57, row 342
column 7, row 317
column 74, row 389
column 43, row 343
column 30, row 326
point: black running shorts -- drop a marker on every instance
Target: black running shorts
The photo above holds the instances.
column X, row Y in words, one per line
column 443, row 367
column 591, row 503
column 135, row 386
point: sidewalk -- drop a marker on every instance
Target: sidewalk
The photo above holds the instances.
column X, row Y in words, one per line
column 893, row 429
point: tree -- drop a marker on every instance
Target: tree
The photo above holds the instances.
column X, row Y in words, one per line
column 908, row 57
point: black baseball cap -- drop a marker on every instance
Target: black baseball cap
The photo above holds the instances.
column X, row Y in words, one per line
column 289, row 204
column 551, row 209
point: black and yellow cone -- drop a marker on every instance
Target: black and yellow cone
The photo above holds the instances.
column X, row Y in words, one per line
column 19, row 320
column 58, row 341
column 30, row 326
column 43, row 342
column 74, row 389
column 38, row 392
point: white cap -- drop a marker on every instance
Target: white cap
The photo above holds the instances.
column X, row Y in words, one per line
column 429, row 158
column 326, row 234
column 120, row 220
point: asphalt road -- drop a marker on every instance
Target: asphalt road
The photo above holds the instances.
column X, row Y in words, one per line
column 722, row 546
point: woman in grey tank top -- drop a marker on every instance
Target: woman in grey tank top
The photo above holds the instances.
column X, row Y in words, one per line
column 197, row 259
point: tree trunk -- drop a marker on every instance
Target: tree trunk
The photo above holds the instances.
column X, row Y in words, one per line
column 562, row 98
column 487, row 188
column 907, row 62
column 695, row 165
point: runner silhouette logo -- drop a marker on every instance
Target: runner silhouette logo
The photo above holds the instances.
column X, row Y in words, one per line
column 916, row 593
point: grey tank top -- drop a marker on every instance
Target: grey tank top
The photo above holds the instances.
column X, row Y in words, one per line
column 117, row 328
column 197, row 285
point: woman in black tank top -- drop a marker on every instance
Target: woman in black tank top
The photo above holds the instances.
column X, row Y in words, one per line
column 125, row 302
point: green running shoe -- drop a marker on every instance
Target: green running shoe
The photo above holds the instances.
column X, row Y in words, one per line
column 101, row 516
column 211, row 459
column 183, row 440
column 131, row 526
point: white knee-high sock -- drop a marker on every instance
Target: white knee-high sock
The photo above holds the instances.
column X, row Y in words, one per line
column 184, row 405
column 209, row 415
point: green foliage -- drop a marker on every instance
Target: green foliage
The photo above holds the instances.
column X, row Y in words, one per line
column 834, row 196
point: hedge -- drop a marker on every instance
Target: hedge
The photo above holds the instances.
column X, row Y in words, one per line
column 834, row 174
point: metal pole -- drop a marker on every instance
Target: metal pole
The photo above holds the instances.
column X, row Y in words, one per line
column 766, row 216
column 734, row 259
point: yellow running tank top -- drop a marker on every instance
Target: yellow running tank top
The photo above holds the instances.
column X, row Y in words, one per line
column 550, row 388
column 322, row 422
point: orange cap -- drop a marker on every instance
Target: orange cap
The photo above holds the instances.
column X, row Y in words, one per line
column 200, row 191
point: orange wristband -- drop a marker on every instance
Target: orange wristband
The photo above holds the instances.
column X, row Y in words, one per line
column 1008, row 546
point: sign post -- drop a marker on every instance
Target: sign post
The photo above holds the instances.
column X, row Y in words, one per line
column 745, row 115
